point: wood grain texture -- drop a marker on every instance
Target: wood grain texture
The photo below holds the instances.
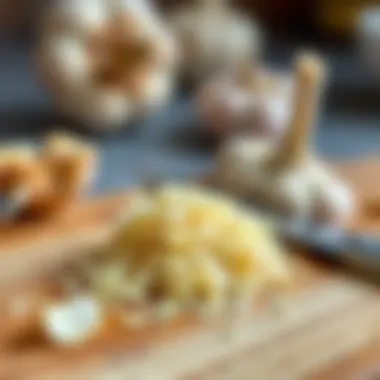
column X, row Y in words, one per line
column 327, row 329
column 30, row 249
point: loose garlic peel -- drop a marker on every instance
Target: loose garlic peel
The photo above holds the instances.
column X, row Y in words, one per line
column 214, row 37
column 106, row 61
column 287, row 177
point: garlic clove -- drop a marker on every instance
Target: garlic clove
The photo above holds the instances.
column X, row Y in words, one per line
column 166, row 53
column 65, row 59
column 334, row 200
column 138, row 18
column 292, row 194
column 80, row 16
column 104, row 108
column 154, row 89
column 72, row 322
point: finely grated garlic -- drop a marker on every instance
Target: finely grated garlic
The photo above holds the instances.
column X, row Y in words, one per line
column 184, row 247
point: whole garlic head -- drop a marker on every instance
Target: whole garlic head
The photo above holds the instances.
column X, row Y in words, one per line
column 214, row 37
column 285, row 176
column 106, row 61
column 249, row 100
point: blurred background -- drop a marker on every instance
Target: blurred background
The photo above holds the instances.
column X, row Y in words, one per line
column 349, row 126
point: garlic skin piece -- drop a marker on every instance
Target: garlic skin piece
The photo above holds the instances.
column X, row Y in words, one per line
column 107, row 62
column 283, row 175
column 72, row 322
column 214, row 37
column 249, row 100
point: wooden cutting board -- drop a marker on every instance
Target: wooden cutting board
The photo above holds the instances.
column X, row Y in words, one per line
column 327, row 328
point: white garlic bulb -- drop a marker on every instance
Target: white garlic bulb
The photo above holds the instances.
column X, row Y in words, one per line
column 106, row 62
column 253, row 101
column 213, row 37
column 284, row 175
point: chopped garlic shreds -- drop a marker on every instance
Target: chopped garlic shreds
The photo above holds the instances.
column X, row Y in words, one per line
column 73, row 321
column 180, row 245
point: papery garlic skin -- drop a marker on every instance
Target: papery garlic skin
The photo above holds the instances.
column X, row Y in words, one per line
column 100, row 60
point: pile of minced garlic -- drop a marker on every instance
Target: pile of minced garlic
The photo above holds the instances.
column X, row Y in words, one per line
column 179, row 248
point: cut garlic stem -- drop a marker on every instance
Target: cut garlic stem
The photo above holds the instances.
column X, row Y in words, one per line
column 309, row 75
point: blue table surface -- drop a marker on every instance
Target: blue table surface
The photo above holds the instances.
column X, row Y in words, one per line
column 168, row 143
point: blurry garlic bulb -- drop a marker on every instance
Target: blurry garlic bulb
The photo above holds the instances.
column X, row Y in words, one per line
column 249, row 100
column 106, row 62
column 285, row 176
column 214, row 37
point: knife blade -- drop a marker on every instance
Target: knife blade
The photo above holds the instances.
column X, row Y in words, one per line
column 352, row 249
column 356, row 250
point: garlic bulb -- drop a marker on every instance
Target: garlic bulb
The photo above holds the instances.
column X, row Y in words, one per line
column 106, row 62
column 284, row 175
column 249, row 100
column 214, row 37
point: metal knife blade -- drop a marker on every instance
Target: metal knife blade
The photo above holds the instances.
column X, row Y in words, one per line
column 353, row 249
column 356, row 250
